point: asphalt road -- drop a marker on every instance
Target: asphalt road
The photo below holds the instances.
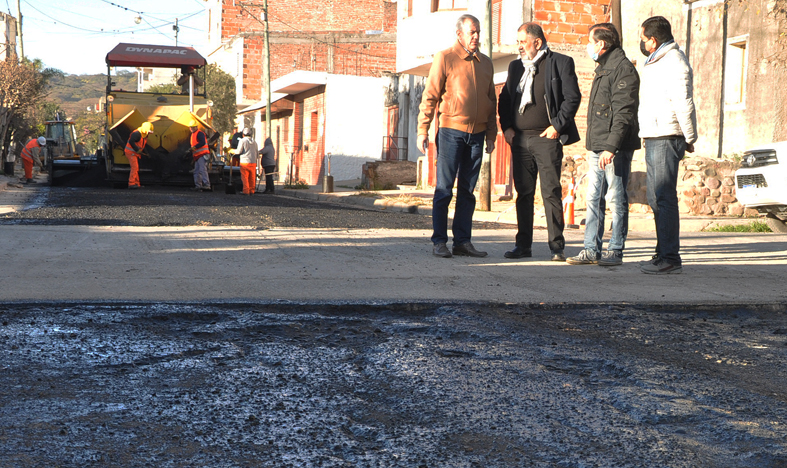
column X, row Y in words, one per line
column 178, row 206
column 392, row 386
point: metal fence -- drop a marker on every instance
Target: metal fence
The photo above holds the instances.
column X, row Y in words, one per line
column 394, row 148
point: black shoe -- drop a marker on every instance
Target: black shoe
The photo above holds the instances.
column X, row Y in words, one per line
column 467, row 250
column 558, row 256
column 518, row 252
column 662, row 267
column 441, row 250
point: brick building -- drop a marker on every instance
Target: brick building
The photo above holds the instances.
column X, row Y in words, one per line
column 355, row 38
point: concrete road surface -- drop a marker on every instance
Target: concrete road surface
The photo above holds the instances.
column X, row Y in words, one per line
column 226, row 263
column 84, row 263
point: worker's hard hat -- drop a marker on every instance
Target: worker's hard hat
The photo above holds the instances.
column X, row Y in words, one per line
column 247, row 131
column 146, row 127
column 41, row 141
column 193, row 123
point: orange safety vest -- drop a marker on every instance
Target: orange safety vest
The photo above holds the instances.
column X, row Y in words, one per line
column 199, row 151
column 130, row 149
column 27, row 151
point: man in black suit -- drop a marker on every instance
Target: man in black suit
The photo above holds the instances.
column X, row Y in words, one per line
column 537, row 107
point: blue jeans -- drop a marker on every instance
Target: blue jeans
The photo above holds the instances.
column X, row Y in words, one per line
column 459, row 157
column 608, row 185
column 662, row 157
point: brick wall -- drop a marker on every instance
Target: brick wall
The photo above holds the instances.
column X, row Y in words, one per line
column 310, row 15
column 566, row 21
column 303, row 32
column 566, row 24
column 366, row 59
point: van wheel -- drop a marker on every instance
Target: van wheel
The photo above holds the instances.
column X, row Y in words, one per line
column 776, row 224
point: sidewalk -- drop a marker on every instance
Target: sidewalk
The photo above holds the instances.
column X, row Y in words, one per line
column 409, row 199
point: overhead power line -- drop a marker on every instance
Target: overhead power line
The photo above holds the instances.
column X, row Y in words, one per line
column 121, row 6
column 59, row 21
column 131, row 29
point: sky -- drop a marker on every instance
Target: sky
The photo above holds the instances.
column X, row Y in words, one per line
column 75, row 36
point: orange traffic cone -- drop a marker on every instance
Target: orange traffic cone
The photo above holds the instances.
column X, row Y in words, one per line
column 568, row 205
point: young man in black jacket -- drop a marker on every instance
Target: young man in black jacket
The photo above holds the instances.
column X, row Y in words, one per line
column 537, row 106
column 612, row 138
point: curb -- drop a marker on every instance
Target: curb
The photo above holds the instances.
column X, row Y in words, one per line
column 369, row 202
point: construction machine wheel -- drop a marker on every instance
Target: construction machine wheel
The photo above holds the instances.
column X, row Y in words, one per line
column 50, row 176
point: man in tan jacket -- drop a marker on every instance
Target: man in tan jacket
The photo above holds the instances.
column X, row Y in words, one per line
column 461, row 89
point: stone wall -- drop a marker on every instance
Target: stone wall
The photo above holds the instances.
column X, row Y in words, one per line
column 705, row 186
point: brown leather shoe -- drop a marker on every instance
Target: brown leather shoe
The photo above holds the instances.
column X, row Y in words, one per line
column 467, row 250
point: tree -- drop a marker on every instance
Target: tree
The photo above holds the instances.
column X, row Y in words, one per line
column 168, row 88
column 220, row 87
column 22, row 87
column 89, row 126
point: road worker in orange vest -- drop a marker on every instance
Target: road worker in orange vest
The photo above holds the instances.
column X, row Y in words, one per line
column 201, row 153
column 31, row 156
column 134, row 148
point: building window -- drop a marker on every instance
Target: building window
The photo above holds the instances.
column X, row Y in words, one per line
column 314, row 126
column 438, row 5
column 735, row 71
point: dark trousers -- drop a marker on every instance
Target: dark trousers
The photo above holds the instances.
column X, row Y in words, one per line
column 269, row 170
column 535, row 157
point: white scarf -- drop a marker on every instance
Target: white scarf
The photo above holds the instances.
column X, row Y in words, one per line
column 526, row 82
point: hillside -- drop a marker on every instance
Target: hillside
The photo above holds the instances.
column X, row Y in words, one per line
column 74, row 93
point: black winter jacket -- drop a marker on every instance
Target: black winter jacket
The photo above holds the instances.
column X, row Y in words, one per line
column 613, row 105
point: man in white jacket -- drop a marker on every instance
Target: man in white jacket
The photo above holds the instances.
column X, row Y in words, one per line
column 667, row 124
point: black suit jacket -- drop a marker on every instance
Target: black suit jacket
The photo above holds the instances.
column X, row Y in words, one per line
column 562, row 95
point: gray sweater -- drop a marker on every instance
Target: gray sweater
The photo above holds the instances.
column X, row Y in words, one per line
column 268, row 154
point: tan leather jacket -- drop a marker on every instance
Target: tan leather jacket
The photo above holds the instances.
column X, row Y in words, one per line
column 462, row 89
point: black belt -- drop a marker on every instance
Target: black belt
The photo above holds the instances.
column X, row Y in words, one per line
column 668, row 137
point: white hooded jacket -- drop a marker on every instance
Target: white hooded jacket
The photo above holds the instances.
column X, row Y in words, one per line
column 666, row 105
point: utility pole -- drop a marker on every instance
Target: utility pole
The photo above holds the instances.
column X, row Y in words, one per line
column 267, row 74
column 485, row 190
column 19, row 30
column 177, row 30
